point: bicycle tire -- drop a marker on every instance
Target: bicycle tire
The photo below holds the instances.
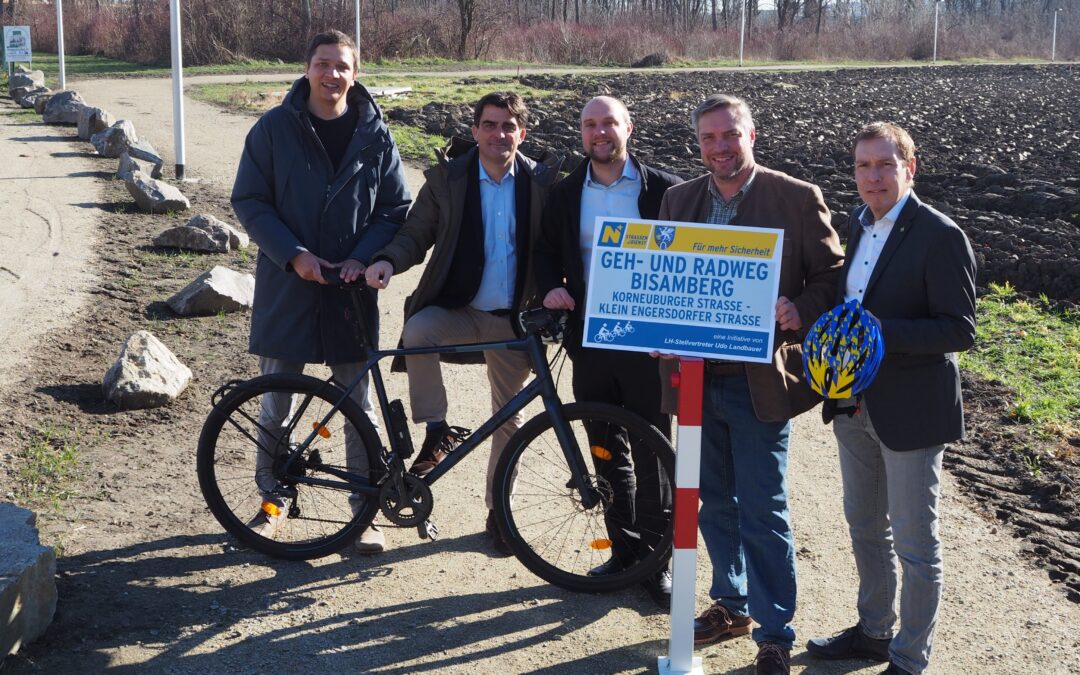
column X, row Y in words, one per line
column 543, row 520
column 319, row 520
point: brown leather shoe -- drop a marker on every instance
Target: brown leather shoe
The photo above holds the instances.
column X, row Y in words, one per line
column 438, row 443
column 717, row 624
column 491, row 529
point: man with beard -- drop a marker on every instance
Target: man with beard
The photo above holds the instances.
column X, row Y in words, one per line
column 748, row 407
column 320, row 188
column 611, row 183
column 913, row 268
column 480, row 211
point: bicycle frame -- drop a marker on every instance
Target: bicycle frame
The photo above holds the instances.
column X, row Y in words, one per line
column 542, row 386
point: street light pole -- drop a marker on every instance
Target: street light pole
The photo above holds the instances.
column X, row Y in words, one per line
column 60, row 42
column 937, row 4
column 1053, row 38
column 178, row 86
column 358, row 34
column 742, row 29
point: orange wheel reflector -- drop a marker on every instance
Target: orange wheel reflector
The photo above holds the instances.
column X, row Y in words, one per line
column 601, row 453
column 600, row 544
column 271, row 509
column 322, row 431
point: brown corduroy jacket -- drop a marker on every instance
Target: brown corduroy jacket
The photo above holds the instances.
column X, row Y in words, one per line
column 810, row 268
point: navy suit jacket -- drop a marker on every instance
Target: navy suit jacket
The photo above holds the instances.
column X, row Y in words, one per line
column 923, row 292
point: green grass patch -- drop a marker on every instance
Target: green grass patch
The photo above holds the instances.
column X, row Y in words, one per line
column 21, row 114
column 1033, row 349
column 47, row 466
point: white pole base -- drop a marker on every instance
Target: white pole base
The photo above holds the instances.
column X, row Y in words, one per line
column 663, row 665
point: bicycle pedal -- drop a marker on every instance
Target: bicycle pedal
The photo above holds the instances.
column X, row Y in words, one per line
column 428, row 530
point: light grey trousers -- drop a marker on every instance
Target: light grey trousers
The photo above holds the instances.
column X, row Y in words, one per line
column 507, row 370
column 891, row 505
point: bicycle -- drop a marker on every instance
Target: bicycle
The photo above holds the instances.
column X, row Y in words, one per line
column 559, row 522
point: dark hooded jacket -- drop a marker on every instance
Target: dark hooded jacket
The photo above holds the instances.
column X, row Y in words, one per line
column 289, row 198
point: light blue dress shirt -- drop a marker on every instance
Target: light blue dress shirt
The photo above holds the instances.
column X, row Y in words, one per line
column 499, row 210
column 620, row 199
column 865, row 256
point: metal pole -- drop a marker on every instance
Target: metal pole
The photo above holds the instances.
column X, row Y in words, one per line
column 937, row 5
column 358, row 34
column 60, row 42
column 1053, row 39
column 178, row 86
column 742, row 29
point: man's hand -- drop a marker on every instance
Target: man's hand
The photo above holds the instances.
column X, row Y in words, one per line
column 787, row 315
column 350, row 270
column 308, row 266
column 378, row 274
column 559, row 298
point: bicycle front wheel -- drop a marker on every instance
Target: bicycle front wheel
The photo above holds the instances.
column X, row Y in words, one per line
column 273, row 508
column 542, row 515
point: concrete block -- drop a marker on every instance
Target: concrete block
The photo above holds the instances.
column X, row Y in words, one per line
column 27, row 580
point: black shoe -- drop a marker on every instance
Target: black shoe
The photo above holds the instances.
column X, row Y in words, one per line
column 852, row 643
column 491, row 529
column 772, row 659
column 438, row 443
column 612, row 566
column 659, row 588
column 894, row 669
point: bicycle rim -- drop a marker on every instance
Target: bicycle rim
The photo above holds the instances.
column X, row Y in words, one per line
column 545, row 521
column 241, row 460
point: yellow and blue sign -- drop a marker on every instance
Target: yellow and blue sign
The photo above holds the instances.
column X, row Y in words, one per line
column 684, row 288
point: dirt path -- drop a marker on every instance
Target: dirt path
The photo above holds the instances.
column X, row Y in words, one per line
column 148, row 582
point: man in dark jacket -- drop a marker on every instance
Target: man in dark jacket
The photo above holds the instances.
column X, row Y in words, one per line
column 912, row 267
column 320, row 187
column 480, row 211
column 611, row 183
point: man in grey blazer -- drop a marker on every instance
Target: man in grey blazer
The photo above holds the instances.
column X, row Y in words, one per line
column 913, row 269
column 746, row 421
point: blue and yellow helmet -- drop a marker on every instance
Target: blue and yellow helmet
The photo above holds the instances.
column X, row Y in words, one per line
column 842, row 351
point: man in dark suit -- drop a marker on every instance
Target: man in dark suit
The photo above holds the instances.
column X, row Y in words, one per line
column 913, row 269
column 480, row 212
column 746, row 421
column 615, row 184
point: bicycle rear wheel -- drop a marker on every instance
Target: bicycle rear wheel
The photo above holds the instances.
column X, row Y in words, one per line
column 241, row 466
column 540, row 511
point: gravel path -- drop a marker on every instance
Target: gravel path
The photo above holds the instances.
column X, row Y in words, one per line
column 176, row 597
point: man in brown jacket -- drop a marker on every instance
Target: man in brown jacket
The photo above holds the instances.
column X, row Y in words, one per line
column 480, row 211
column 748, row 407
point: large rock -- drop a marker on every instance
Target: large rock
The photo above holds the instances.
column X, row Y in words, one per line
column 115, row 139
column 219, row 290
column 63, row 108
column 29, row 99
column 129, row 165
column 27, row 580
column 155, row 196
column 141, row 149
column 40, row 102
column 146, row 375
column 204, row 221
column 32, row 79
column 194, row 239
column 94, row 120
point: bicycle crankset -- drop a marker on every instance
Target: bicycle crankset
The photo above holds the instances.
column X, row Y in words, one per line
column 409, row 509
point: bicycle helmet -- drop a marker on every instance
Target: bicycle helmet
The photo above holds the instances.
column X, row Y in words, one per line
column 842, row 351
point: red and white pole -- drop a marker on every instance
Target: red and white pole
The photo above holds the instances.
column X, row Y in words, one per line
column 689, row 381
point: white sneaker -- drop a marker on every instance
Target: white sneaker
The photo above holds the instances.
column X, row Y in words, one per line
column 265, row 525
column 371, row 540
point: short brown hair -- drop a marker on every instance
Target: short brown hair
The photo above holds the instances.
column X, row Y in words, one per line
column 722, row 102
column 890, row 132
column 507, row 100
column 333, row 37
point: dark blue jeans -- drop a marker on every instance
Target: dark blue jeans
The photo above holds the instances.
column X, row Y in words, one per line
column 744, row 511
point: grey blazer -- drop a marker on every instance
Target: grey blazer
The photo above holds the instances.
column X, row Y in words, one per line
column 923, row 292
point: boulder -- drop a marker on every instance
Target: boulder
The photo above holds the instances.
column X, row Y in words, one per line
column 142, row 149
column 129, row 165
column 63, row 108
column 115, row 139
column 194, row 239
column 218, row 290
column 40, row 102
column 146, row 375
column 27, row 580
column 93, row 121
column 203, row 221
column 155, row 196
column 32, row 79
column 29, row 99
